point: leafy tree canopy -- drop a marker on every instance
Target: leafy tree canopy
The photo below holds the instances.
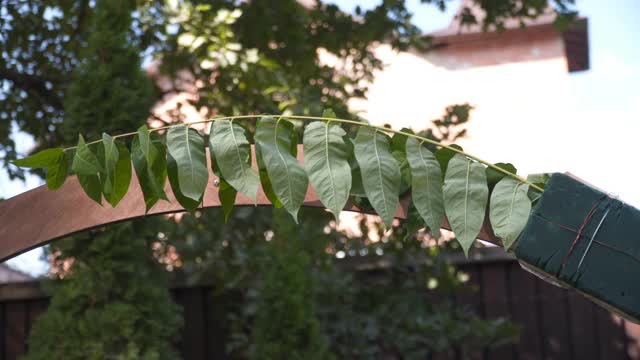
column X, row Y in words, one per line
column 250, row 57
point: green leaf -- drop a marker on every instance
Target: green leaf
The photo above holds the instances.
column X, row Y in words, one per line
column 329, row 113
column 56, row 172
column 227, row 196
column 539, row 180
column 398, row 150
column 85, row 161
column 54, row 161
column 92, row 187
column 265, row 181
column 494, row 176
column 326, row 160
column 380, row 172
column 149, row 162
column 509, row 210
column 357, row 188
column 147, row 144
column 117, row 175
column 172, row 173
column 426, row 185
column 110, row 161
column 226, row 193
column 186, row 146
column 444, row 155
column 288, row 178
column 42, row 159
column 465, row 195
column 232, row 151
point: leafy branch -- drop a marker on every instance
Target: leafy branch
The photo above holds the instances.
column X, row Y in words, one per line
column 449, row 181
column 344, row 121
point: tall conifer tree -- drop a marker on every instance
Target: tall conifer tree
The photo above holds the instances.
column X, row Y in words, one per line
column 113, row 302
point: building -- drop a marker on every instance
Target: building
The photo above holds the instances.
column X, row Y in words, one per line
column 516, row 80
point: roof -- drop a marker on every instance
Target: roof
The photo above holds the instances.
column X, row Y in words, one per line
column 575, row 39
column 9, row 275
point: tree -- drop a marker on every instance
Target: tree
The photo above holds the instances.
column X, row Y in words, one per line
column 113, row 301
column 287, row 325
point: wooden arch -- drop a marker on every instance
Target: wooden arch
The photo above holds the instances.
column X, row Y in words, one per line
column 40, row 216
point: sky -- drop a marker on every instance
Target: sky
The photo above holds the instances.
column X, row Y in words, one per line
column 607, row 97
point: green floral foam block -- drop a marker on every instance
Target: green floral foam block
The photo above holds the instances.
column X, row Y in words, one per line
column 580, row 237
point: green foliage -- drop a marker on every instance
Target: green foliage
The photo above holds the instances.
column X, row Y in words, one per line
column 286, row 326
column 40, row 54
column 426, row 184
column 172, row 173
column 366, row 311
column 54, row 161
column 494, row 176
column 81, row 65
column 326, row 160
column 85, row 162
column 149, row 161
column 187, row 147
column 510, row 209
column 232, row 151
column 380, row 172
column 117, row 170
column 444, row 155
column 465, row 195
column 111, row 302
column 86, row 166
column 112, row 61
column 378, row 167
column 278, row 146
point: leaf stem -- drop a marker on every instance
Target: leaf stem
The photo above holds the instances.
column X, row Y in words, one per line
column 344, row 121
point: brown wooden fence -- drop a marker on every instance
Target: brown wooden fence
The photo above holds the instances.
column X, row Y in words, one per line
column 557, row 324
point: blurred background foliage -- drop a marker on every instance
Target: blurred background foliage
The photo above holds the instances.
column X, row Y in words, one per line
column 78, row 66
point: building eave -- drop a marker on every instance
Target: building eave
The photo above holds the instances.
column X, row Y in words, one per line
column 575, row 40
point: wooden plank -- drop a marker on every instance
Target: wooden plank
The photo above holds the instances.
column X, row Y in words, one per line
column 611, row 334
column 3, row 333
column 525, row 307
column 471, row 297
column 16, row 317
column 36, row 308
column 193, row 340
column 497, row 303
column 583, row 329
column 632, row 336
column 556, row 330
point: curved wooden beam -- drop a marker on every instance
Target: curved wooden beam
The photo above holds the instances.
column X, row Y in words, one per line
column 40, row 216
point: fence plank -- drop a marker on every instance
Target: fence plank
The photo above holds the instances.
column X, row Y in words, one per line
column 193, row 340
column 35, row 309
column 584, row 338
column 3, row 333
column 556, row 338
column 16, row 317
column 472, row 300
column 526, row 313
column 632, row 337
column 556, row 324
column 496, row 303
column 611, row 335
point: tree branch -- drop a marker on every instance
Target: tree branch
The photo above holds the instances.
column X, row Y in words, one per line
column 32, row 84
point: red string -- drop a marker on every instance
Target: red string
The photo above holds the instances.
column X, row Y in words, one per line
column 579, row 234
column 556, row 224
